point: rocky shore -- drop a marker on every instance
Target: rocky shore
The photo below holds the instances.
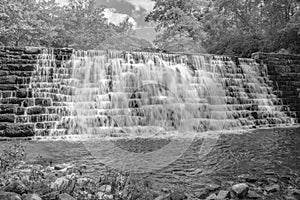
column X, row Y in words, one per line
column 68, row 182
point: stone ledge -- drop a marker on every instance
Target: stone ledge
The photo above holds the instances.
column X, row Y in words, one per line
column 259, row 55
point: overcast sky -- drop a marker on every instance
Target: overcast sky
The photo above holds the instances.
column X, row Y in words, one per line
column 137, row 10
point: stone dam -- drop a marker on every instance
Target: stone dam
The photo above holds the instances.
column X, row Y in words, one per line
column 61, row 92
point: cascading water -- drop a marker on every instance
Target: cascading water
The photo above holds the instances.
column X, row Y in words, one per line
column 144, row 94
column 138, row 94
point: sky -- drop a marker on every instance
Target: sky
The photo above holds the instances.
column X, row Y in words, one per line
column 136, row 10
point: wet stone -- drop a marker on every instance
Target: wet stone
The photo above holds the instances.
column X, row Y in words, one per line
column 19, row 130
column 7, row 118
column 36, row 110
column 28, row 102
column 7, row 109
column 43, row 102
column 8, row 87
column 21, row 93
column 20, row 111
column 32, row 50
column 8, row 80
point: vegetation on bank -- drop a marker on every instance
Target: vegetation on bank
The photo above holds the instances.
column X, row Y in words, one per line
column 229, row 26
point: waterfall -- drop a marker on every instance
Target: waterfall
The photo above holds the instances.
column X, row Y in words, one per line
column 144, row 94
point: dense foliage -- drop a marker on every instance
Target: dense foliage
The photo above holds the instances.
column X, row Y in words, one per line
column 79, row 24
column 229, row 26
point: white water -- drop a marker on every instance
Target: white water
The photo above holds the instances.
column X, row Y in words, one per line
column 150, row 94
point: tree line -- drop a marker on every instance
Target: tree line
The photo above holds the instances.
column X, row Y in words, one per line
column 227, row 26
column 80, row 24
column 197, row 26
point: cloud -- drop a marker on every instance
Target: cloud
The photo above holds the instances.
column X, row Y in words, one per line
column 145, row 4
column 62, row 2
column 117, row 18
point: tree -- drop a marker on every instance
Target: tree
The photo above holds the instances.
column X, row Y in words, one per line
column 178, row 19
column 229, row 26
column 79, row 24
column 84, row 24
column 26, row 22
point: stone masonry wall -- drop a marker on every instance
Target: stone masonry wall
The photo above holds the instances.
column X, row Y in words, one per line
column 34, row 99
column 19, row 105
column 284, row 72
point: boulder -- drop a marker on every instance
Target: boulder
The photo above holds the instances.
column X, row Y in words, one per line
column 31, row 197
column 62, row 166
column 272, row 188
column 178, row 196
column 103, row 196
column 65, row 196
column 51, row 196
column 213, row 187
column 60, row 184
column 223, row 194
column 202, row 193
column 290, row 198
column 64, row 184
column 16, row 187
column 240, row 190
column 9, row 196
column 163, row 197
column 105, row 188
column 293, row 193
column 82, row 181
column 212, row 197
column 253, row 195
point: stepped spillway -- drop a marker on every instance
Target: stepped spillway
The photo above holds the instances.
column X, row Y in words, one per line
column 60, row 92
column 120, row 94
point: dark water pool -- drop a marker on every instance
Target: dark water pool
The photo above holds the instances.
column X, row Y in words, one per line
column 272, row 154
